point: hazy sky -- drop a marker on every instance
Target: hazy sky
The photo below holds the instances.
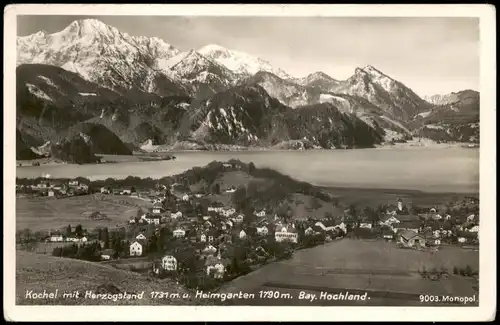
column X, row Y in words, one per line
column 429, row 55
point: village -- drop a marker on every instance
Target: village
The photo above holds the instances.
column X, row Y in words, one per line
column 204, row 242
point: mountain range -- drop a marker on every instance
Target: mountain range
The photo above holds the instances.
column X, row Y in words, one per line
column 144, row 90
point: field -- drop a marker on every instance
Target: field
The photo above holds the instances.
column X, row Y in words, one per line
column 387, row 273
column 49, row 213
column 41, row 272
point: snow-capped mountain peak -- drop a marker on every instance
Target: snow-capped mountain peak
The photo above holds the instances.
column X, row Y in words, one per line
column 240, row 62
column 102, row 53
column 383, row 91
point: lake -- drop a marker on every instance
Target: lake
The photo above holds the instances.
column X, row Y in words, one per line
column 427, row 169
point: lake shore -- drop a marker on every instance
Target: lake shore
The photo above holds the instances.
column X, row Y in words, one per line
column 145, row 155
column 426, row 169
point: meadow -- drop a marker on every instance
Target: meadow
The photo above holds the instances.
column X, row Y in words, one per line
column 41, row 272
column 389, row 274
column 45, row 214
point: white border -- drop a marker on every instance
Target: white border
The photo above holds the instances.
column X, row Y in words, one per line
column 487, row 293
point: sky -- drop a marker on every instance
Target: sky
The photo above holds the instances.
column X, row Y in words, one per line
column 429, row 55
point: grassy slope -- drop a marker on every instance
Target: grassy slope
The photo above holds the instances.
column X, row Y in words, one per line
column 46, row 214
column 38, row 272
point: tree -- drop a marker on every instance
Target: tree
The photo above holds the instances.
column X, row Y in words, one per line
column 216, row 188
column 105, row 237
column 372, row 215
column 68, row 231
column 152, row 244
column 78, row 230
column 251, row 168
column 239, row 198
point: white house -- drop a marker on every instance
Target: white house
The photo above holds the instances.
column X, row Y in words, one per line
column 140, row 237
column 261, row 213
column 474, row 229
column 262, row 231
column 106, row 254
column 471, row 217
column 50, row 193
column 437, row 241
column 433, row 210
column 179, row 233
column 169, row 263
column 209, row 250
column 153, row 219
column 215, row 266
column 447, row 217
column 231, row 190
column 203, row 238
column 462, row 239
column 367, row 225
column 157, row 209
column 228, row 212
column 285, row 234
column 82, row 239
column 185, row 197
column 309, row 231
column 330, row 226
column 242, row 234
column 239, row 218
column 56, row 238
column 389, row 220
column 135, row 249
column 176, row 215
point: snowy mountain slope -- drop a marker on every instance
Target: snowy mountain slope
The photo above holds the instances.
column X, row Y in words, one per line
column 286, row 91
column 202, row 76
column 102, row 54
column 319, row 80
column 392, row 96
column 239, row 62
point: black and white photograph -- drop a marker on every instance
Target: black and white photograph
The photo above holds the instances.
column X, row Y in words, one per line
column 218, row 159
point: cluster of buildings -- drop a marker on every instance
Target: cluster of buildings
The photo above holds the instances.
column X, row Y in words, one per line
column 54, row 188
column 428, row 229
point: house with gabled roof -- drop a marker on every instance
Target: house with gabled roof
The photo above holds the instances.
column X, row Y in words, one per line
column 407, row 225
column 216, row 266
column 137, row 247
column 286, row 233
column 169, row 263
column 410, row 238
